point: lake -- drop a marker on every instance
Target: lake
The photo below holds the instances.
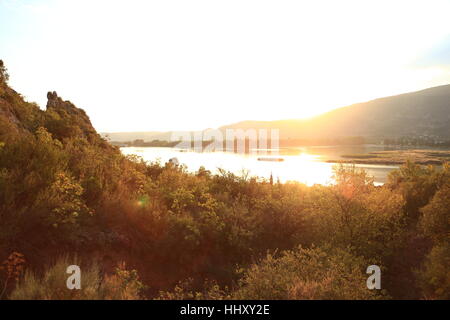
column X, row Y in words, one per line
column 303, row 164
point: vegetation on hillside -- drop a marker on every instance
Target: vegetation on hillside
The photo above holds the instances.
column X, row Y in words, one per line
column 155, row 231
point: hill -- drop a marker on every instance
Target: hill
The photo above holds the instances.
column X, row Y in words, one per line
column 62, row 119
column 420, row 114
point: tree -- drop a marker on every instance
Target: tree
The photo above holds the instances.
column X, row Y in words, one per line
column 4, row 76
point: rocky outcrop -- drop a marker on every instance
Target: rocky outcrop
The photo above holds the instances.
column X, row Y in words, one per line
column 68, row 113
column 61, row 118
column 65, row 120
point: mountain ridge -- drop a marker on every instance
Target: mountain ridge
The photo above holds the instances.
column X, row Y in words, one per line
column 423, row 113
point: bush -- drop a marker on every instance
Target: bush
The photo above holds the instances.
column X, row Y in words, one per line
column 434, row 276
column 123, row 285
column 435, row 219
column 315, row 273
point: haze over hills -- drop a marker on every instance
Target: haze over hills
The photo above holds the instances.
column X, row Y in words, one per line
column 421, row 113
column 424, row 113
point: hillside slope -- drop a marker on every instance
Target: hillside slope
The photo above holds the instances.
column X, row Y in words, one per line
column 424, row 113
column 61, row 118
column 421, row 113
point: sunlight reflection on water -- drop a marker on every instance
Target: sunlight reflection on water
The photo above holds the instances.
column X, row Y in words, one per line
column 298, row 166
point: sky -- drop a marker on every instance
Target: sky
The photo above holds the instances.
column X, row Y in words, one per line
column 189, row 65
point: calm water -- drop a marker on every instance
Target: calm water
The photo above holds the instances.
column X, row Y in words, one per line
column 305, row 164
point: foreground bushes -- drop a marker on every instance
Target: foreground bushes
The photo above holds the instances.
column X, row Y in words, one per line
column 434, row 276
column 208, row 232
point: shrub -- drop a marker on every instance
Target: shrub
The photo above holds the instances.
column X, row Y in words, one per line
column 434, row 276
column 435, row 219
column 123, row 285
column 314, row 273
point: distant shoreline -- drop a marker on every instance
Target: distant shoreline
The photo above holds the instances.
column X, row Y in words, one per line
column 397, row 157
